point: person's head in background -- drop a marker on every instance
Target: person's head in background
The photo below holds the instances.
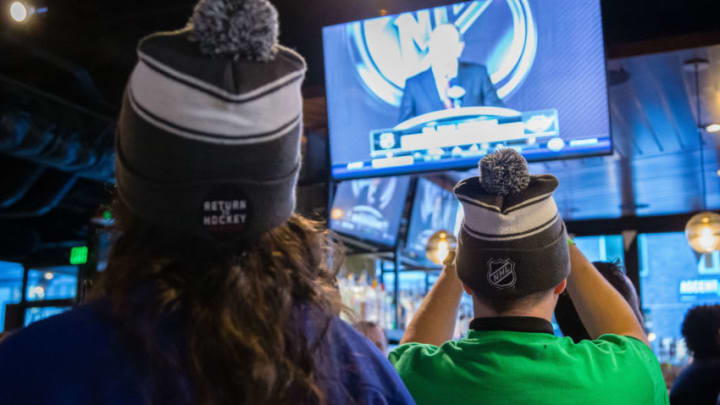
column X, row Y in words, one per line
column 207, row 242
column 568, row 318
column 444, row 50
column 701, row 329
column 513, row 255
column 374, row 332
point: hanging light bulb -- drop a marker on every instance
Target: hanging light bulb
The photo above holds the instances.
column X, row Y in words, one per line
column 439, row 246
column 703, row 232
column 19, row 11
column 713, row 128
column 707, row 240
column 703, row 229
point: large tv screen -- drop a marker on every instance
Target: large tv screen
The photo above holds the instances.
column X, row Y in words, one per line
column 370, row 209
column 434, row 209
column 439, row 88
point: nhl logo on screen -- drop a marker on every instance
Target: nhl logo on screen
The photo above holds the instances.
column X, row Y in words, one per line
column 501, row 273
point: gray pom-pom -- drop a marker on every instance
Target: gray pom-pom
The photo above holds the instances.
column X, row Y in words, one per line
column 504, row 172
column 241, row 29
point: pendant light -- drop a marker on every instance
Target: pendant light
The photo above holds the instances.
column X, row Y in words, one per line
column 439, row 245
column 703, row 229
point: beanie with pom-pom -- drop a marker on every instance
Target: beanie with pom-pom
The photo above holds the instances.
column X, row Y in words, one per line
column 512, row 242
column 208, row 138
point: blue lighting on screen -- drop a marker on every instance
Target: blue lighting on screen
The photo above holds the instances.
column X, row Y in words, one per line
column 384, row 79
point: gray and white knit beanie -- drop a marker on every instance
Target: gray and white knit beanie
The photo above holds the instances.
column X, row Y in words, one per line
column 512, row 242
column 208, row 139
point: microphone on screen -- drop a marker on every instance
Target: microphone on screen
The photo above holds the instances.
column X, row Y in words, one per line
column 455, row 93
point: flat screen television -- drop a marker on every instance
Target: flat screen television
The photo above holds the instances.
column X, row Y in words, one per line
column 434, row 209
column 439, row 88
column 370, row 209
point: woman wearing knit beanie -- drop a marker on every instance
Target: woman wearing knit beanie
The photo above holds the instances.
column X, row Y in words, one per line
column 215, row 291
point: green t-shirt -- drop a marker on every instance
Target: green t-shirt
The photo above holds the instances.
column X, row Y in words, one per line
column 506, row 367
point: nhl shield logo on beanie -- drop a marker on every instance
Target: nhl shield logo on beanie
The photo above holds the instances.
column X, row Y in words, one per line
column 512, row 242
column 208, row 139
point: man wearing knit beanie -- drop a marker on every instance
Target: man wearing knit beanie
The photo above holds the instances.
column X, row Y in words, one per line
column 514, row 258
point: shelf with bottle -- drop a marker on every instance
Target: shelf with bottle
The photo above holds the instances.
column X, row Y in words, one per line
column 366, row 300
column 369, row 300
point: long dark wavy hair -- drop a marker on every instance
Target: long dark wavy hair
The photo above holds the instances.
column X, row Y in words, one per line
column 241, row 312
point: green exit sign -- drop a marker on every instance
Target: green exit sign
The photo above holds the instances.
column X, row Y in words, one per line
column 79, row 255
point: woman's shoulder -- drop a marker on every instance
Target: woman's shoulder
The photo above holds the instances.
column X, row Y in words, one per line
column 363, row 368
column 83, row 323
column 81, row 336
column 74, row 354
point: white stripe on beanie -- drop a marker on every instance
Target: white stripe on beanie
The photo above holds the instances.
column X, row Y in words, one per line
column 514, row 225
column 222, row 93
column 195, row 114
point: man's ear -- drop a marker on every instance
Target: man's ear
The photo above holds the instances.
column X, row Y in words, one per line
column 467, row 289
column 560, row 287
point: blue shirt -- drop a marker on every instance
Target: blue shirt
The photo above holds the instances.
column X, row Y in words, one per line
column 79, row 357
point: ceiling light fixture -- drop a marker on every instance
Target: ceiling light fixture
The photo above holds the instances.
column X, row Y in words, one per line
column 21, row 12
column 439, row 246
column 713, row 128
column 703, row 232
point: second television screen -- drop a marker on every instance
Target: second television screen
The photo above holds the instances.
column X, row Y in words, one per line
column 370, row 209
column 438, row 88
column 434, row 210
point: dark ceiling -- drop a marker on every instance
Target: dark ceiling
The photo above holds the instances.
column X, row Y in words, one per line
column 62, row 75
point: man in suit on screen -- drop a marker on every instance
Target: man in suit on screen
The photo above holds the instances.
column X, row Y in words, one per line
column 431, row 91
